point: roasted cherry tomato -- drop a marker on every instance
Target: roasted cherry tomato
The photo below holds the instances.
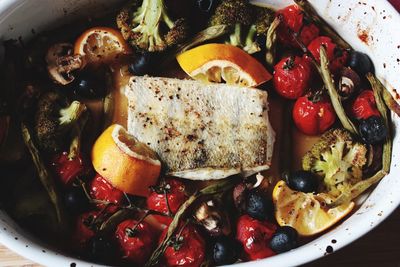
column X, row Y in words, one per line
column 364, row 106
column 67, row 170
column 255, row 236
column 337, row 56
column 136, row 241
column 186, row 249
column 292, row 19
column 292, row 76
column 100, row 189
column 313, row 117
column 171, row 189
column 84, row 228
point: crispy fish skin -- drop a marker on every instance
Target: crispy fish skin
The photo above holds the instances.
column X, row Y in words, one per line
column 201, row 131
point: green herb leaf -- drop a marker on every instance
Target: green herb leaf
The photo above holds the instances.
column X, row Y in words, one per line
column 333, row 94
column 44, row 174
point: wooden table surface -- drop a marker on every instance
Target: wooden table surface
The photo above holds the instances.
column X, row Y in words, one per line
column 380, row 248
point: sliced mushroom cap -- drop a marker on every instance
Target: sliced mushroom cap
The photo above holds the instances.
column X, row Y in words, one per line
column 349, row 83
column 61, row 62
column 211, row 216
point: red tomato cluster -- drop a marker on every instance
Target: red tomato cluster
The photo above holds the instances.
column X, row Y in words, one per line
column 293, row 75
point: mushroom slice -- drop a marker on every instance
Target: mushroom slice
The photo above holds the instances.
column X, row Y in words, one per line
column 61, row 62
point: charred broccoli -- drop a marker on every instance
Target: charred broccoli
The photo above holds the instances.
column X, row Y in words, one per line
column 56, row 120
column 248, row 22
column 147, row 26
column 337, row 159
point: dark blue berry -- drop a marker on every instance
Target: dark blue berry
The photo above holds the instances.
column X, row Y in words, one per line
column 76, row 201
column 90, row 85
column 360, row 62
column 303, row 181
column 226, row 250
column 259, row 206
column 284, row 239
column 142, row 64
column 373, row 130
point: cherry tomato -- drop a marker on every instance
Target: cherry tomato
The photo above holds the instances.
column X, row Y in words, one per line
column 364, row 106
column 313, row 118
column 67, row 170
column 175, row 191
column 186, row 249
column 337, row 56
column 292, row 76
column 255, row 236
column 136, row 241
column 100, row 189
column 292, row 19
column 84, row 228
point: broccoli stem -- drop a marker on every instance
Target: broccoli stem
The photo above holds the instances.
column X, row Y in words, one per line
column 75, row 147
column 71, row 114
column 149, row 17
column 251, row 46
column 236, row 37
column 270, row 43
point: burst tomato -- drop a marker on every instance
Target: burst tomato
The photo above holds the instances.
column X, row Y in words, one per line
column 364, row 106
column 100, row 189
column 67, row 170
column 136, row 241
column 292, row 77
column 172, row 190
column 255, row 236
column 313, row 117
column 292, row 19
column 187, row 248
column 337, row 56
column 84, row 228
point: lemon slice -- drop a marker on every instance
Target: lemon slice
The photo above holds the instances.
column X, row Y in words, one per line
column 306, row 212
column 123, row 161
column 223, row 63
column 101, row 45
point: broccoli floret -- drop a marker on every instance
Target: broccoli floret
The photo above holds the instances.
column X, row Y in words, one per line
column 337, row 159
column 248, row 23
column 55, row 120
column 148, row 27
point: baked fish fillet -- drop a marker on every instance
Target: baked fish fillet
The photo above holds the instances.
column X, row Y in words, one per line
column 201, row 131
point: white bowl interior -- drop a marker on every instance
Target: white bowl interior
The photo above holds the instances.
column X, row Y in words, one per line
column 349, row 18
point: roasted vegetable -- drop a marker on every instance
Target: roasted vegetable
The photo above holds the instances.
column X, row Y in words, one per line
column 247, row 22
column 338, row 159
column 55, row 119
column 147, row 26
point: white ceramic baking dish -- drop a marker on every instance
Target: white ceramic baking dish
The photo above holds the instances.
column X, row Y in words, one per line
column 375, row 20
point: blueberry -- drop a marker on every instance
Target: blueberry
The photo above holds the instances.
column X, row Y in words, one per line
column 90, row 85
column 258, row 205
column 76, row 201
column 360, row 62
column 373, row 130
column 99, row 248
column 142, row 64
column 284, row 239
column 303, row 181
column 226, row 250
